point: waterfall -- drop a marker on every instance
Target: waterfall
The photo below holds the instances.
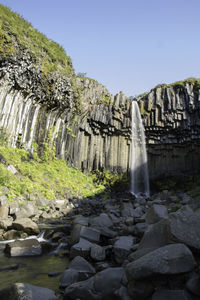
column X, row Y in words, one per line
column 139, row 168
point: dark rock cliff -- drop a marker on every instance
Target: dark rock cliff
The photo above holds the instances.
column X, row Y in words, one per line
column 93, row 131
column 172, row 123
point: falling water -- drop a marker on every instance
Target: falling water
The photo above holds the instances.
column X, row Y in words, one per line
column 139, row 168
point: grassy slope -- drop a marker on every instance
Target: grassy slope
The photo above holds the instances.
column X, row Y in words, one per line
column 16, row 34
column 49, row 178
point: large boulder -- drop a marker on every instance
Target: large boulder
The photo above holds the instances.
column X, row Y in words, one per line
column 167, row 260
column 122, row 247
column 25, row 291
column 184, row 227
column 26, row 225
column 156, row 213
column 29, row 247
column 164, row 294
column 102, row 286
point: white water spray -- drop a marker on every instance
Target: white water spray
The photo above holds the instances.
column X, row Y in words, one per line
column 139, row 168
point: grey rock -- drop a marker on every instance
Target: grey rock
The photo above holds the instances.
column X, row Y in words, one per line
column 12, row 169
column 102, row 220
column 122, row 294
column 184, row 227
column 81, row 265
column 156, row 236
column 161, row 261
column 140, row 290
column 193, row 285
column 25, row 291
column 101, row 286
column 122, row 248
column 5, row 223
column 13, row 207
column 156, row 213
column 82, row 248
column 30, row 247
column 3, row 207
column 97, row 252
column 139, row 253
column 14, row 234
column 163, row 294
column 68, row 277
column 26, row 225
column 127, row 210
column 81, row 220
column 140, row 229
column 90, row 234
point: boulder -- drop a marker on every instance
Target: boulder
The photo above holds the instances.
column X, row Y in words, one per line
column 84, row 268
column 102, row 220
column 122, row 247
column 3, row 207
column 184, row 227
column 5, row 223
column 68, row 277
column 167, row 260
column 82, row 248
column 25, row 291
column 90, row 234
column 26, row 225
column 193, row 285
column 29, row 247
column 140, row 290
column 156, row 236
column 97, row 252
column 101, row 286
column 164, row 294
column 14, row 234
column 156, row 213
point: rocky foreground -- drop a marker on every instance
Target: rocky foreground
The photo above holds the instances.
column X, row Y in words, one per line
column 119, row 249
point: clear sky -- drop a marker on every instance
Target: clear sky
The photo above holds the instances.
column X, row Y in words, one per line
column 127, row 45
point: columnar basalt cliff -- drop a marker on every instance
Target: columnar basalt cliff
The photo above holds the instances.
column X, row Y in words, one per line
column 90, row 132
column 172, row 121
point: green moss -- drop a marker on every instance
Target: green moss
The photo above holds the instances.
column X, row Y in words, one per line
column 106, row 100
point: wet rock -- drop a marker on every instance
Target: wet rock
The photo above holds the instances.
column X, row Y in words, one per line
column 25, row 291
column 29, row 247
column 156, row 213
column 163, row 294
column 68, row 277
column 82, row 248
column 122, row 247
column 26, row 225
column 82, row 267
column 97, row 252
column 161, row 261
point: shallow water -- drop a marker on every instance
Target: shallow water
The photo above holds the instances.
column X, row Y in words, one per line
column 33, row 270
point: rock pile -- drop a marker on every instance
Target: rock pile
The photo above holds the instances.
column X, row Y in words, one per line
column 131, row 249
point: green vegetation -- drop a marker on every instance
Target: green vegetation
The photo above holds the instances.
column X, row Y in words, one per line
column 18, row 34
column 180, row 84
column 106, row 100
column 51, row 178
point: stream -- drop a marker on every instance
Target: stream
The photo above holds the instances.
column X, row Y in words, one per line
column 44, row 270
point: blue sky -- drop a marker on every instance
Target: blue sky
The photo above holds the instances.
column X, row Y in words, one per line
column 127, row 45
